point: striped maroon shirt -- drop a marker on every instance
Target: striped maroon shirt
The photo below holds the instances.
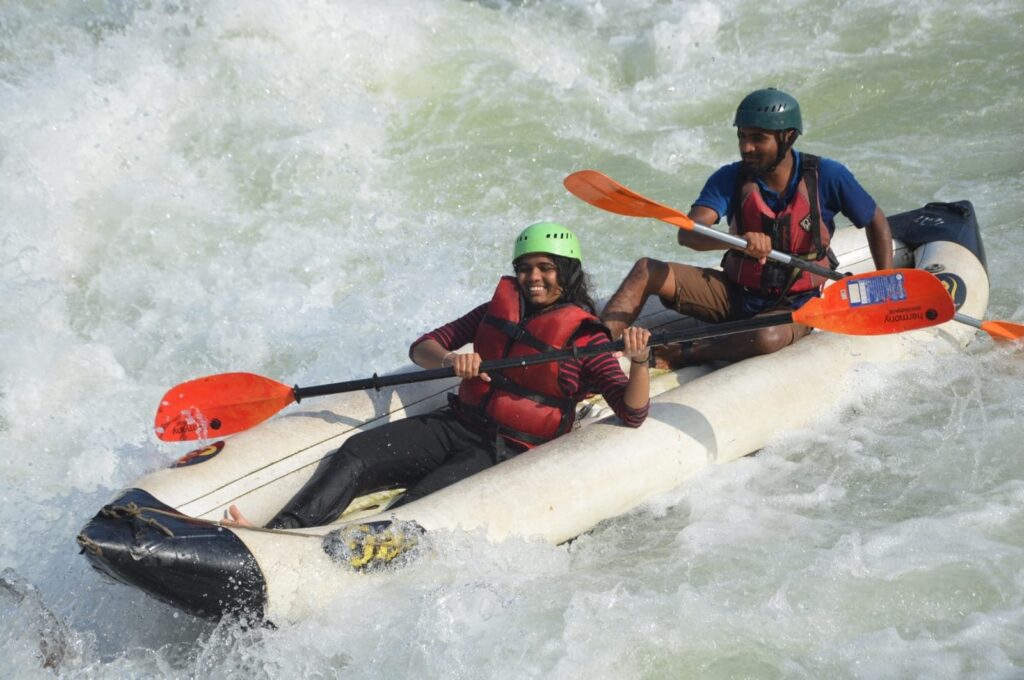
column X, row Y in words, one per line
column 600, row 374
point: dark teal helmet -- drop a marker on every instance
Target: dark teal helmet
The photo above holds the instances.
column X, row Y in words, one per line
column 769, row 109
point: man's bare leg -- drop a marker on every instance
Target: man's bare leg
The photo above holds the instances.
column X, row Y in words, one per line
column 653, row 277
column 731, row 347
column 648, row 277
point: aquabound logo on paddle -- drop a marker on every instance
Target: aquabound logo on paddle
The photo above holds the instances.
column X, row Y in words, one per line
column 200, row 455
column 955, row 286
column 187, row 426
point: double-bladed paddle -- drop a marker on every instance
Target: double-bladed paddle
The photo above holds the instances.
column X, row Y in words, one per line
column 603, row 192
column 889, row 301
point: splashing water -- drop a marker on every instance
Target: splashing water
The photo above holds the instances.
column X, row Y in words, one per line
column 300, row 189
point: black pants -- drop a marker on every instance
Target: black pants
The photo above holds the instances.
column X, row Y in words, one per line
column 423, row 454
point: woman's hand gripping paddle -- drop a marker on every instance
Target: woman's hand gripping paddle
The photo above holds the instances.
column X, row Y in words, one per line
column 890, row 301
column 603, row 192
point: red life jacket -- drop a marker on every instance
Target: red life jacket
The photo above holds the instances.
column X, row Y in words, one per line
column 525, row 405
column 797, row 229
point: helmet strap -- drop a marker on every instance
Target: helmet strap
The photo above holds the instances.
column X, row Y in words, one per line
column 574, row 274
column 784, row 146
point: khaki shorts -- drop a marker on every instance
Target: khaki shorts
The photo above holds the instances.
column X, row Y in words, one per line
column 703, row 293
column 707, row 294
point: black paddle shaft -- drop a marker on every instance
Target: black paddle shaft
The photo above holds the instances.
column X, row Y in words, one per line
column 657, row 339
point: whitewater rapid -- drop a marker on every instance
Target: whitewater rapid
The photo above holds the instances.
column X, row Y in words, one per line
column 301, row 189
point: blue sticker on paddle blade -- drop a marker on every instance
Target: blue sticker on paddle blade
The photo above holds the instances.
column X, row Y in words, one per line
column 876, row 290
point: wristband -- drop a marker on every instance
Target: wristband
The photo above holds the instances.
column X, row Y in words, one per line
column 445, row 357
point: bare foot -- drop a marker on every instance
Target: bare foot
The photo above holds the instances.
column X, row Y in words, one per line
column 235, row 518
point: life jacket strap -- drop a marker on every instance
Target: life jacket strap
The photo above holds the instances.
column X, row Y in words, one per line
column 516, row 333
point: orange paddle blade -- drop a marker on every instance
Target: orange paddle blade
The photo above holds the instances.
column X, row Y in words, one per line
column 603, row 192
column 887, row 301
column 1003, row 331
column 219, row 405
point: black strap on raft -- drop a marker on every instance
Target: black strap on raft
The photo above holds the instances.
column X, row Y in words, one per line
column 132, row 512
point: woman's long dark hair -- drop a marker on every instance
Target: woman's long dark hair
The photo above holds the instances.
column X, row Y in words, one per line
column 574, row 282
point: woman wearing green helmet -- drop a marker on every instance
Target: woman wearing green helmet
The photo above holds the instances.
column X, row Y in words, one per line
column 563, row 249
column 545, row 306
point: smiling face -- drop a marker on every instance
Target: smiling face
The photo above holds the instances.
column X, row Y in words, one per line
column 758, row 147
column 538, row 279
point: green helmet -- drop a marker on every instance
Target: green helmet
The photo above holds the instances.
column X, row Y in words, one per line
column 547, row 237
column 769, row 109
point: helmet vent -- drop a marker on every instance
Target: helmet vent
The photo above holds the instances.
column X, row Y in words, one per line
column 547, row 237
column 769, row 109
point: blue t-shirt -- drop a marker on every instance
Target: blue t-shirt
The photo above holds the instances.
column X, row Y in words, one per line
column 838, row 192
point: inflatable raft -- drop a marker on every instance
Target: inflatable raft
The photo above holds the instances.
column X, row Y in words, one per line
column 162, row 534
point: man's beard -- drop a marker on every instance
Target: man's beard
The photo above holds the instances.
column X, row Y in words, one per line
column 756, row 168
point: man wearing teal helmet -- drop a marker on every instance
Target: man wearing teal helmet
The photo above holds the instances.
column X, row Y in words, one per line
column 773, row 111
column 545, row 306
column 776, row 198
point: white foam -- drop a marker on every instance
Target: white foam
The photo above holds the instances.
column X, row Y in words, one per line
column 300, row 189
